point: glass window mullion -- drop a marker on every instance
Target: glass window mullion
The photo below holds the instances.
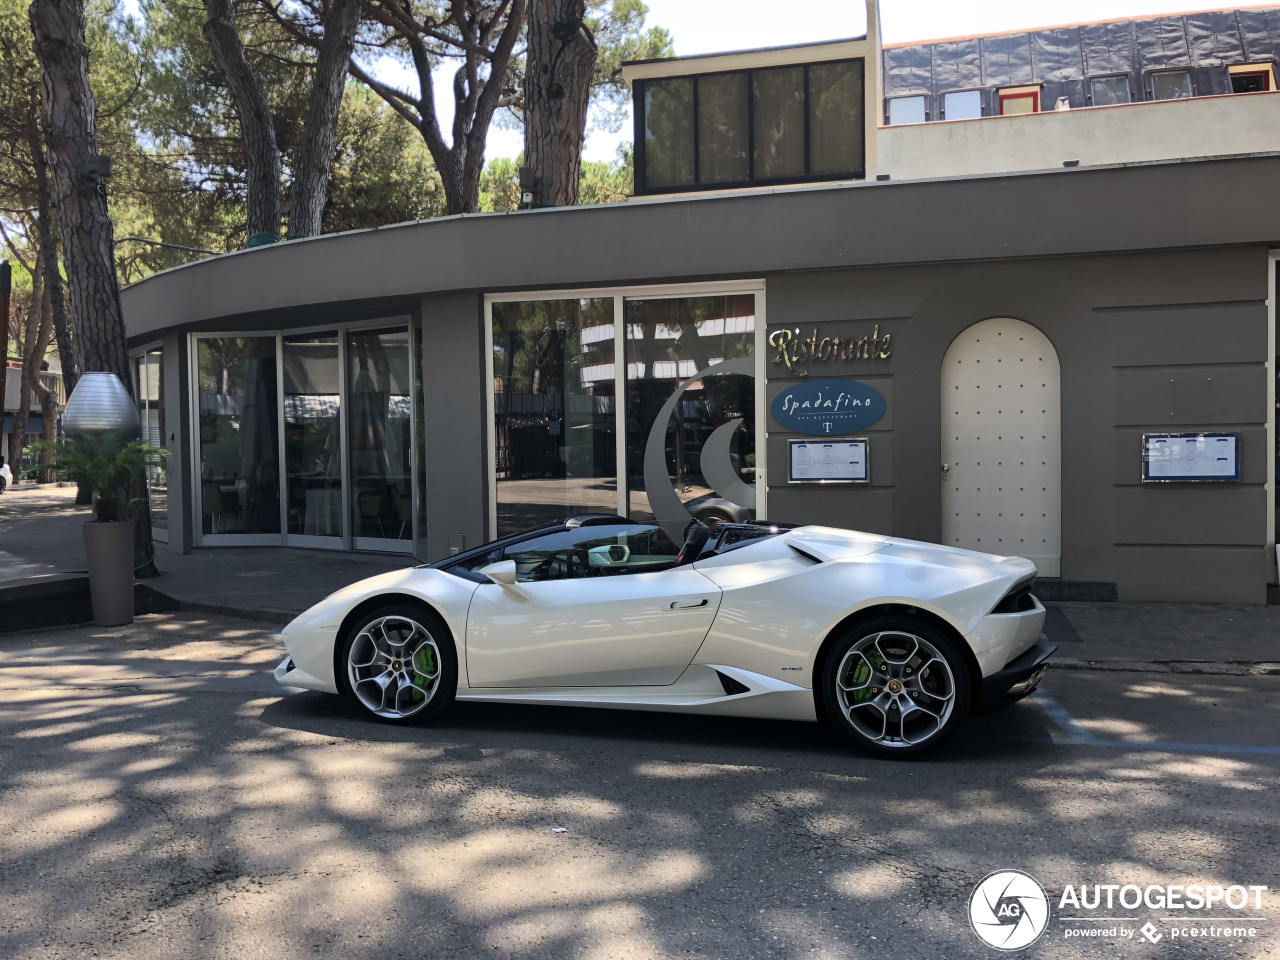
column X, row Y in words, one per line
column 620, row 405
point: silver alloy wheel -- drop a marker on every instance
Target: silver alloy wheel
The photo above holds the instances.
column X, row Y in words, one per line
column 394, row 666
column 896, row 688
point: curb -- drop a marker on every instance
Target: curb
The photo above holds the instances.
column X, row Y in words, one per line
column 1231, row 668
column 278, row 617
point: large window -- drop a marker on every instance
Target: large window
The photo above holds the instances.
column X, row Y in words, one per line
column 308, row 439
column 669, row 341
column 668, row 132
column 781, row 124
column 239, row 439
column 1108, row 91
column 962, row 105
column 553, row 404
column 907, row 110
column 1171, row 85
column 313, row 435
column 380, row 441
column 148, row 388
column 683, row 440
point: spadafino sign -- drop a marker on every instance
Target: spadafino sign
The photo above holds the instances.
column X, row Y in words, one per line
column 827, row 408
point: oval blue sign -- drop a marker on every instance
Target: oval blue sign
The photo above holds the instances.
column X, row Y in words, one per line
column 827, row 408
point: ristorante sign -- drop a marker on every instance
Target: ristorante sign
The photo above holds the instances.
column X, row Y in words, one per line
column 791, row 347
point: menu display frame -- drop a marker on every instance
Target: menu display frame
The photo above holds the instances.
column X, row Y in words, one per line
column 854, row 467
column 1165, row 460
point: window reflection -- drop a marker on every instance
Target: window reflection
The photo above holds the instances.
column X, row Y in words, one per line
column 779, row 123
column 668, row 132
column 239, row 431
column 723, row 126
column 669, row 341
column 835, row 100
column 554, row 369
column 379, row 417
column 148, row 388
column 313, row 435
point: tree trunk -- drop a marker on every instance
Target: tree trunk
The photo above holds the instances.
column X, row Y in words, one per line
column 558, row 74
column 311, row 179
column 81, row 197
column 257, row 129
column 35, row 340
column 52, row 275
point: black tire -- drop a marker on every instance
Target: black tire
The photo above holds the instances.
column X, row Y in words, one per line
column 893, row 686
column 3, row 483
column 440, row 695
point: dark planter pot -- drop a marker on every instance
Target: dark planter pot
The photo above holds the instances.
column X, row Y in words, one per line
column 109, row 550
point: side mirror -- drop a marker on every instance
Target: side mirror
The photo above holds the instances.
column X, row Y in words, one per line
column 503, row 573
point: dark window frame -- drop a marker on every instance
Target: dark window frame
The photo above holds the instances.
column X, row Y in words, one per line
column 1127, row 78
column 928, row 107
column 984, row 106
column 1149, row 87
column 638, row 119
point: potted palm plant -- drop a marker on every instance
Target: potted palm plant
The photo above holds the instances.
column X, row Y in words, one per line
column 109, row 465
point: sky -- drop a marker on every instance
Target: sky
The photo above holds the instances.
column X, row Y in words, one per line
column 708, row 26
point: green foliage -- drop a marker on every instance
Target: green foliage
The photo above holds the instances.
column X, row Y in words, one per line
column 107, row 465
column 500, row 185
column 621, row 35
column 602, row 182
column 599, row 182
column 382, row 171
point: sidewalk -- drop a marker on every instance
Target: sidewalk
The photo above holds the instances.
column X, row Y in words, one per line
column 40, row 532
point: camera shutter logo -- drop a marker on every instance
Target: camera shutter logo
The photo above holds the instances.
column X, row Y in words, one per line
column 1009, row 910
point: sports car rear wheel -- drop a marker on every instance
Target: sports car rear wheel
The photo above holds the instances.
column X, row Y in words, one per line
column 399, row 663
column 896, row 686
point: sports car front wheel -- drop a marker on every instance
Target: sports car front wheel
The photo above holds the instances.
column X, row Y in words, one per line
column 896, row 686
column 398, row 663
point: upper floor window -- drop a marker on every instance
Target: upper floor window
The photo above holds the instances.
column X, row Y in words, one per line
column 962, row 105
column 1252, row 78
column 1014, row 100
column 1171, row 85
column 1108, row 91
column 773, row 125
column 907, row 110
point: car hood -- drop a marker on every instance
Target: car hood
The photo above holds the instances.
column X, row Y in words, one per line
column 829, row 543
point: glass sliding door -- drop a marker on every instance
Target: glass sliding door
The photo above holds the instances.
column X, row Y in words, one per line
column 380, row 438
column 704, row 430
column 554, row 370
column 148, row 388
column 313, row 446
column 239, row 440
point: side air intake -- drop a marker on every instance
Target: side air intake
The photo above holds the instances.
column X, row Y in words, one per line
column 732, row 686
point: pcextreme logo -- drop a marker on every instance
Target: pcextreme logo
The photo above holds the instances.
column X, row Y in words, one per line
column 1009, row 910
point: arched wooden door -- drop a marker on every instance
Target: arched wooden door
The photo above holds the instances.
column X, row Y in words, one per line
column 1002, row 443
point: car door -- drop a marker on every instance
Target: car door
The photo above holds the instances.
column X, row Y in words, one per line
column 593, row 606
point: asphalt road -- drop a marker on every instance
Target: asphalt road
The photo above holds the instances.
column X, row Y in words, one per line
column 161, row 797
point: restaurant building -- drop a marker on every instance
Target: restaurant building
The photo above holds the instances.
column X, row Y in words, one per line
column 1045, row 329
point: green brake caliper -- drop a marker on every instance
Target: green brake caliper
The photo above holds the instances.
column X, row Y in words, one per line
column 424, row 666
column 861, row 673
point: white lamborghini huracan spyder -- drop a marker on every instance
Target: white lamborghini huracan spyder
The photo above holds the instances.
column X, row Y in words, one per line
column 895, row 641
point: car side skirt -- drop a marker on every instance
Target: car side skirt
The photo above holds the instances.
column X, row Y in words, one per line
column 698, row 690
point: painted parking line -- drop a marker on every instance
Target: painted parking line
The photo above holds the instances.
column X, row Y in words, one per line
column 1077, row 735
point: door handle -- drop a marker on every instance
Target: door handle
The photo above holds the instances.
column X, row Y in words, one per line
column 687, row 604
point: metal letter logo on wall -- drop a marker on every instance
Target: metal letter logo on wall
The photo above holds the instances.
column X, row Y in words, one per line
column 798, row 351
column 827, row 408
column 717, row 466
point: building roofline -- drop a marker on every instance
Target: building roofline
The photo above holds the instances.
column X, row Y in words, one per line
column 1080, row 23
column 744, row 52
